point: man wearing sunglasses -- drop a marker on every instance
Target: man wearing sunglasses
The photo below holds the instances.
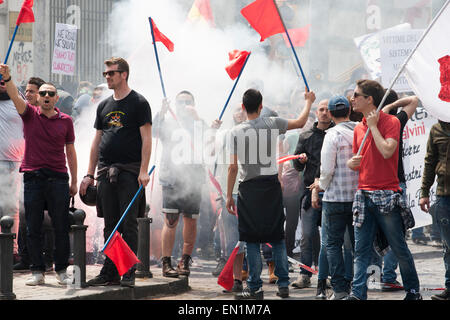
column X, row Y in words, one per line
column 49, row 142
column 121, row 152
column 379, row 206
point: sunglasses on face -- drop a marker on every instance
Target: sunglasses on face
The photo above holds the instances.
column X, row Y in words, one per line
column 111, row 73
column 51, row 94
column 356, row 94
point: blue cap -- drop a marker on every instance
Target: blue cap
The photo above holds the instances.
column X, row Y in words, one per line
column 338, row 103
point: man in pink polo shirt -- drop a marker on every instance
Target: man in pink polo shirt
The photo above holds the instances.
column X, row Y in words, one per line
column 49, row 140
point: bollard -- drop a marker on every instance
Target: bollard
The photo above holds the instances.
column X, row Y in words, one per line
column 6, row 258
column 143, row 268
column 79, row 248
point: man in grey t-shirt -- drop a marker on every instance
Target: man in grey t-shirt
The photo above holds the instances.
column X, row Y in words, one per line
column 260, row 200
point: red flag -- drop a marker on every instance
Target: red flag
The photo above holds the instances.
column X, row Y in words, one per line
column 237, row 61
column 444, row 68
column 1, row 1
column 263, row 17
column 298, row 36
column 120, row 253
column 26, row 14
column 226, row 276
column 159, row 36
column 201, row 11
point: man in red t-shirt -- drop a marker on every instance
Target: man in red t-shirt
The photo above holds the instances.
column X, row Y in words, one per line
column 378, row 204
column 49, row 142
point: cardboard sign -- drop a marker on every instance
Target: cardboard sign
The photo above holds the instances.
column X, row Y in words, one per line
column 65, row 48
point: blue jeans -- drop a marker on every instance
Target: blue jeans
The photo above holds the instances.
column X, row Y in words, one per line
column 254, row 261
column 324, row 269
column 390, row 263
column 338, row 217
column 392, row 226
column 349, row 249
column 53, row 192
column 442, row 217
column 310, row 235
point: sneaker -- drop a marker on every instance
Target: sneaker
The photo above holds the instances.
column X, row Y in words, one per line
column 167, row 270
column 103, row 280
column 303, row 281
column 63, row 278
column 37, row 278
column 391, row 286
column 128, row 279
column 220, row 265
column 321, row 289
column 183, row 265
column 338, row 296
column 413, row 295
column 436, row 243
column 283, row 292
column 248, row 294
column 445, row 295
column 21, row 267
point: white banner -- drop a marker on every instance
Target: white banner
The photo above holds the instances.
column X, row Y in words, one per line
column 415, row 137
column 395, row 47
column 65, row 48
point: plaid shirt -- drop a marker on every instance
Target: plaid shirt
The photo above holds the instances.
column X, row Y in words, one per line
column 338, row 181
column 386, row 201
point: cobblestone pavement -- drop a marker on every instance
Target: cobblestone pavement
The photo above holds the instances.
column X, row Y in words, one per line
column 201, row 285
column 428, row 260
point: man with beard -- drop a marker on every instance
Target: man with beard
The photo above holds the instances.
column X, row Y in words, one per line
column 49, row 143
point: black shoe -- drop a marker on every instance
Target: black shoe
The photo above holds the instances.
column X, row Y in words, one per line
column 283, row 292
column 391, row 286
column 413, row 295
column 167, row 270
column 103, row 280
column 21, row 267
column 445, row 295
column 237, row 286
column 183, row 265
column 248, row 294
column 128, row 279
column 321, row 289
column 216, row 272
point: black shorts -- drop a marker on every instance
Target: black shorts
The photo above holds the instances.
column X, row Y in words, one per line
column 178, row 200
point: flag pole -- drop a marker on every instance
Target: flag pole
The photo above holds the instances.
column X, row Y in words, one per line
column 234, row 87
column 292, row 46
column 157, row 57
column 126, row 211
column 403, row 68
column 10, row 46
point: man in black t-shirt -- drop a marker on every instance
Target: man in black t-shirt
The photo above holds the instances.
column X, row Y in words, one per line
column 408, row 106
column 121, row 149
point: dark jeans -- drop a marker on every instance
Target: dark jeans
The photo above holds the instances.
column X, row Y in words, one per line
column 292, row 206
column 338, row 217
column 114, row 199
column 310, row 239
column 47, row 233
column 38, row 191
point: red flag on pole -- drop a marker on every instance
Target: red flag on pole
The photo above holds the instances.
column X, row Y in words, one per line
column 298, row 36
column 237, row 60
column 159, row 36
column 226, row 276
column 120, row 253
column 263, row 17
column 26, row 14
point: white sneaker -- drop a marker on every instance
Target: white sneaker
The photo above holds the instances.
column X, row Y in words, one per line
column 338, row 296
column 63, row 278
column 37, row 278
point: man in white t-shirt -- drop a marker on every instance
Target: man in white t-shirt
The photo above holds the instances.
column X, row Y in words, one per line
column 12, row 148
